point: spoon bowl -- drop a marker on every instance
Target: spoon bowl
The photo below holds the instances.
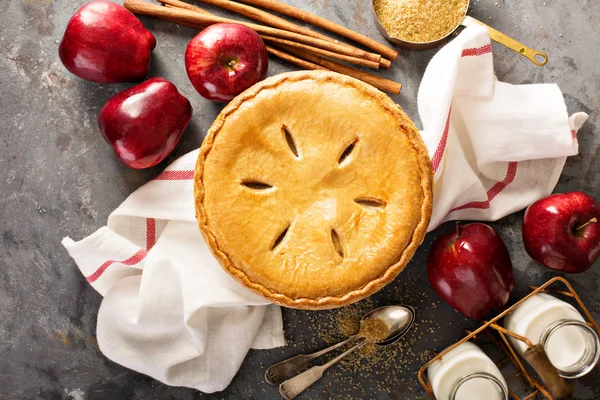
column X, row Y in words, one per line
column 398, row 320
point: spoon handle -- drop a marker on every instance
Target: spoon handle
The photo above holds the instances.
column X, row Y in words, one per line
column 286, row 369
column 299, row 383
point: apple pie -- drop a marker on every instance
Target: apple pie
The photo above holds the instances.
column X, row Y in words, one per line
column 313, row 189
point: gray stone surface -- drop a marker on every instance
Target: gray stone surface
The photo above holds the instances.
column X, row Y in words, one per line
column 58, row 177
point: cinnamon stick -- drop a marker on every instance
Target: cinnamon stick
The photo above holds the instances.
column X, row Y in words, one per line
column 265, row 18
column 383, row 84
column 186, row 6
column 315, row 50
column 177, row 21
column 324, row 23
column 294, row 60
column 385, row 63
column 186, row 15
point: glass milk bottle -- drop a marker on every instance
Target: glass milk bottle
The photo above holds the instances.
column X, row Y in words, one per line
column 572, row 346
column 467, row 373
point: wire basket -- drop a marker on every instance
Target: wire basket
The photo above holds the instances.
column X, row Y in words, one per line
column 499, row 337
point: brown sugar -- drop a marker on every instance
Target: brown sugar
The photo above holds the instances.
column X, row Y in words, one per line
column 374, row 330
column 347, row 323
column 420, row 21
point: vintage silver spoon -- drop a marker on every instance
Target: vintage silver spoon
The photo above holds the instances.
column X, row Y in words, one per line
column 398, row 320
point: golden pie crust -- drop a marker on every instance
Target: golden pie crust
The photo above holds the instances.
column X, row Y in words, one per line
column 313, row 189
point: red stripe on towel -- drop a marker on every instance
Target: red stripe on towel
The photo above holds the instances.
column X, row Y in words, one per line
column 441, row 148
column 150, row 233
column 494, row 191
column 477, row 51
column 136, row 258
column 185, row 175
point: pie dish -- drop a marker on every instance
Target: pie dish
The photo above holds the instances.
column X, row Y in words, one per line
column 313, row 189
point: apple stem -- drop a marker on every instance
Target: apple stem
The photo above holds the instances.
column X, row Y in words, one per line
column 591, row 221
column 457, row 229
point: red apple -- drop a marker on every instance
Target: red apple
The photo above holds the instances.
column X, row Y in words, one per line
column 106, row 43
column 143, row 124
column 562, row 231
column 224, row 60
column 471, row 269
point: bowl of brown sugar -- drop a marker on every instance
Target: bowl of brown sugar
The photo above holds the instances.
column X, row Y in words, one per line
column 419, row 24
column 425, row 24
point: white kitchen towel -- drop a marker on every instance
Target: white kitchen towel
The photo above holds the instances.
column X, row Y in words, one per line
column 495, row 147
column 169, row 309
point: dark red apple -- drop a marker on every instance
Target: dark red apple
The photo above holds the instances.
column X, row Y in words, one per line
column 106, row 43
column 224, row 60
column 562, row 231
column 471, row 269
column 143, row 124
